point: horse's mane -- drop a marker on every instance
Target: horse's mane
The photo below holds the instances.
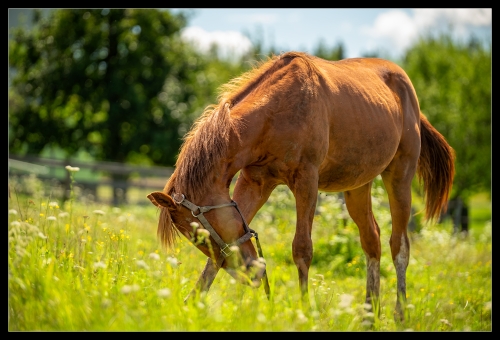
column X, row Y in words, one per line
column 207, row 141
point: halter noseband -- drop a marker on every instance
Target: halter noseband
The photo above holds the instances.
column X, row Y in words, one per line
column 225, row 250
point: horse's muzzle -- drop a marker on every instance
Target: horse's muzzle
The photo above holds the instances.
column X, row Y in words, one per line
column 250, row 274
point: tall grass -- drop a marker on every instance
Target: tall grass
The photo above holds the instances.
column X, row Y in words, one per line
column 83, row 266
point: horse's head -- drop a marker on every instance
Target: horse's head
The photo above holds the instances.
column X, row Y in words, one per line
column 219, row 231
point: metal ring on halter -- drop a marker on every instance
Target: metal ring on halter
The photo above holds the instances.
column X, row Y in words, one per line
column 178, row 202
column 192, row 213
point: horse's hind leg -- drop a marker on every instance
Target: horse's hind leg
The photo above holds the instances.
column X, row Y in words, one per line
column 359, row 205
column 397, row 180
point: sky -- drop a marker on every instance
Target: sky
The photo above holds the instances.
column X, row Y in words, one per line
column 387, row 31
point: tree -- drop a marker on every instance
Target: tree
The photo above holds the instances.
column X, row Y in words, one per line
column 334, row 53
column 453, row 83
column 118, row 83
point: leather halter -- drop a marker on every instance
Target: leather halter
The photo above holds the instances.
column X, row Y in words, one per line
column 225, row 250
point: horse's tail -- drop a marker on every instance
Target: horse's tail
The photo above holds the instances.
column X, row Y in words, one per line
column 436, row 168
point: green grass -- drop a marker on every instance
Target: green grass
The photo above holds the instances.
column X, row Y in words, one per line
column 99, row 268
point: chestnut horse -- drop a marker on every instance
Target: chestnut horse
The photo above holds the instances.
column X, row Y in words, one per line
column 311, row 124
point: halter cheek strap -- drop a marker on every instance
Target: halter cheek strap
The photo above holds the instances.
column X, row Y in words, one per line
column 197, row 212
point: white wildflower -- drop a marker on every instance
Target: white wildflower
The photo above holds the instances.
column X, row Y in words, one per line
column 203, row 233
column 63, row 214
column 41, row 235
column 445, row 321
column 15, row 223
column 154, row 256
column 261, row 317
column 53, row 204
column 72, row 169
column 99, row 212
column 172, row 261
column 51, row 218
column 346, row 300
column 13, row 211
column 130, row 288
column 142, row 264
column 164, row 293
column 99, row 264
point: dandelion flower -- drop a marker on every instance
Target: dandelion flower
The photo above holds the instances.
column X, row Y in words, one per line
column 99, row 212
column 51, row 218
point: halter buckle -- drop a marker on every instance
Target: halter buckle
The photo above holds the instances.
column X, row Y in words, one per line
column 226, row 251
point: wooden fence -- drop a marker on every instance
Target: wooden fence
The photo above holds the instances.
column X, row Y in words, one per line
column 91, row 176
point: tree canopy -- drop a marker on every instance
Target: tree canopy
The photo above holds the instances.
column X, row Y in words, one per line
column 453, row 83
column 120, row 84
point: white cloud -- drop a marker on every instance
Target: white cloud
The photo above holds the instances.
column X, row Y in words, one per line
column 231, row 43
column 429, row 17
column 401, row 29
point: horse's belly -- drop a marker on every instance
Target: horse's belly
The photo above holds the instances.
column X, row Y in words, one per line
column 353, row 168
column 348, row 177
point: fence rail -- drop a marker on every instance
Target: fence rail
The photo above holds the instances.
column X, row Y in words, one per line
column 93, row 175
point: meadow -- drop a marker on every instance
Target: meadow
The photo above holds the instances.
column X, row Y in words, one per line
column 87, row 266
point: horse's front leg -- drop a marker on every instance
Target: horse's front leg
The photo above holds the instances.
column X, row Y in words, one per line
column 305, row 190
column 205, row 280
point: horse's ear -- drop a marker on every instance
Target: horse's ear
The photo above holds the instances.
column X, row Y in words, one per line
column 161, row 199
